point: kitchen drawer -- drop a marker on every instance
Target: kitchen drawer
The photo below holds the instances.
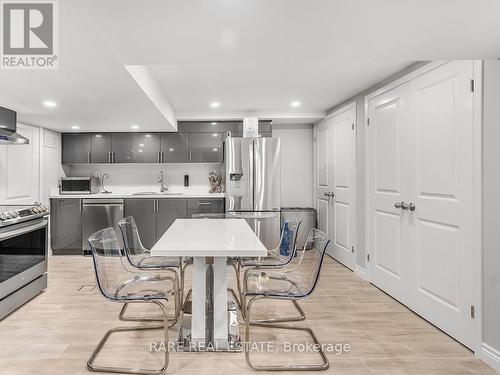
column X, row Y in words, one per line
column 205, row 206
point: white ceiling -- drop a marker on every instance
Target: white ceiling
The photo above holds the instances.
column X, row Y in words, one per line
column 254, row 57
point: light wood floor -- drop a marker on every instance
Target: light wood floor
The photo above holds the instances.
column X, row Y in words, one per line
column 56, row 332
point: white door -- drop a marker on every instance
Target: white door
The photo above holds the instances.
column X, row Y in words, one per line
column 343, row 172
column 442, row 223
column 19, row 169
column 324, row 188
column 388, row 181
column 420, row 151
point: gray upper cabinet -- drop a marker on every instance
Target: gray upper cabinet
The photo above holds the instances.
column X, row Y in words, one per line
column 169, row 210
column 77, row 148
column 175, row 148
column 146, row 147
column 144, row 213
column 206, row 147
column 195, row 142
column 121, row 146
column 101, row 148
column 66, row 225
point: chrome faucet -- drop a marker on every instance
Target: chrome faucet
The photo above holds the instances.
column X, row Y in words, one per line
column 162, row 181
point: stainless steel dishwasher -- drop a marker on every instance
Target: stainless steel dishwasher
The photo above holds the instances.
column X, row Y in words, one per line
column 99, row 214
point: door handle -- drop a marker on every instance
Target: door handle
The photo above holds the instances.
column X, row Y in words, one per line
column 325, row 194
column 405, row 206
column 412, row 206
column 399, row 204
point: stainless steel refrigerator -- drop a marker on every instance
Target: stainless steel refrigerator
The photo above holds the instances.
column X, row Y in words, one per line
column 253, row 184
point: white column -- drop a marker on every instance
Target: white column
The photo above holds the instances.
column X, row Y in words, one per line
column 198, row 298
column 220, row 302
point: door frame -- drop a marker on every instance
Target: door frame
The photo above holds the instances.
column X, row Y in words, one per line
column 477, row 186
column 344, row 108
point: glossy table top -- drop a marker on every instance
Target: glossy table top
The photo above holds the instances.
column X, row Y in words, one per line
column 209, row 238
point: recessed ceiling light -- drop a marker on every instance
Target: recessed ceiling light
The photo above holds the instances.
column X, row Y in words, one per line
column 171, row 149
column 76, row 127
column 214, row 134
column 148, row 135
column 213, row 123
column 141, row 144
column 135, row 127
column 295, row 103
column 215, row 149
column 49, row 103
column 215, row 104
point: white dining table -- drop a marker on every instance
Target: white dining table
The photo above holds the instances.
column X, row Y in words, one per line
column 210, row 242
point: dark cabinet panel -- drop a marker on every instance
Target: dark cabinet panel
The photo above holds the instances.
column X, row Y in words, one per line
column 121, row 146
column 66, row 224
column 169, row 209
column 101, row 148
column 210, row 126
column 175, row 147
column 146, row 147
column 76, row 148
column 144, row 214
column 205, row 206
column 206, row 147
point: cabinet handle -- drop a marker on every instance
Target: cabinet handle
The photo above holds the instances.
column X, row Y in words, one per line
column 204, row 204
column 113, row 157
column 109, row 157
column 88, row 157
column 162, row 156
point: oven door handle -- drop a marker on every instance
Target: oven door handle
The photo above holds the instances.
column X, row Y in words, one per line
column 23, row 230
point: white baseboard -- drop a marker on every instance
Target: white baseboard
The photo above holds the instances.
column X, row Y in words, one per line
column 490, row 356
column 360, row 272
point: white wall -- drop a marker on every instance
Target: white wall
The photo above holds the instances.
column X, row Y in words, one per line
column 360, row 157
column 50, row 163
column 296, row 164
column 145, row 176
column 491, row 206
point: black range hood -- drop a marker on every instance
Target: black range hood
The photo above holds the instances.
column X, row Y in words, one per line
column 8, row 127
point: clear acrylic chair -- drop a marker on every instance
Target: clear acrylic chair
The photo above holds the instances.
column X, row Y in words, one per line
column 279, row 257
column 118, row 284
column 294, row 282
column 140, row 258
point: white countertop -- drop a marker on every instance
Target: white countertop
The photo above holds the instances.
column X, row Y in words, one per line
column 128, row 192
column 209, row 238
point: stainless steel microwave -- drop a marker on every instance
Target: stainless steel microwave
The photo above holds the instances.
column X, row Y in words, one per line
column 79, row 185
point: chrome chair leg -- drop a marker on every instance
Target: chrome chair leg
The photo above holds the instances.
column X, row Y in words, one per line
column 172, row 319
column 124, row 370
column 293, row 367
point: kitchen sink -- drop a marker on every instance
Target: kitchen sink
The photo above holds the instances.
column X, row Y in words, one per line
column 155, row 193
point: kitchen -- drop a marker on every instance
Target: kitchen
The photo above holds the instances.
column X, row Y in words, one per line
column 217, row 177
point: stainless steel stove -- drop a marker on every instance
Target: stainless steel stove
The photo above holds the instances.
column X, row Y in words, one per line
column 23, row 254
column 14, row 214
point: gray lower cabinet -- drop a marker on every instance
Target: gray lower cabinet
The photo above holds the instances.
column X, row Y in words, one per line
column 66, row 225
column 169, row 210
column 76, row 148
column 146, row 148
column 144, row 213
column 101, row 148
column 152, row 216
column 205, row 206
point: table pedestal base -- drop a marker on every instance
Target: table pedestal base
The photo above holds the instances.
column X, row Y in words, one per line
column 185, row 343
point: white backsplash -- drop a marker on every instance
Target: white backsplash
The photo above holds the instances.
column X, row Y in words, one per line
column 122, row 177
